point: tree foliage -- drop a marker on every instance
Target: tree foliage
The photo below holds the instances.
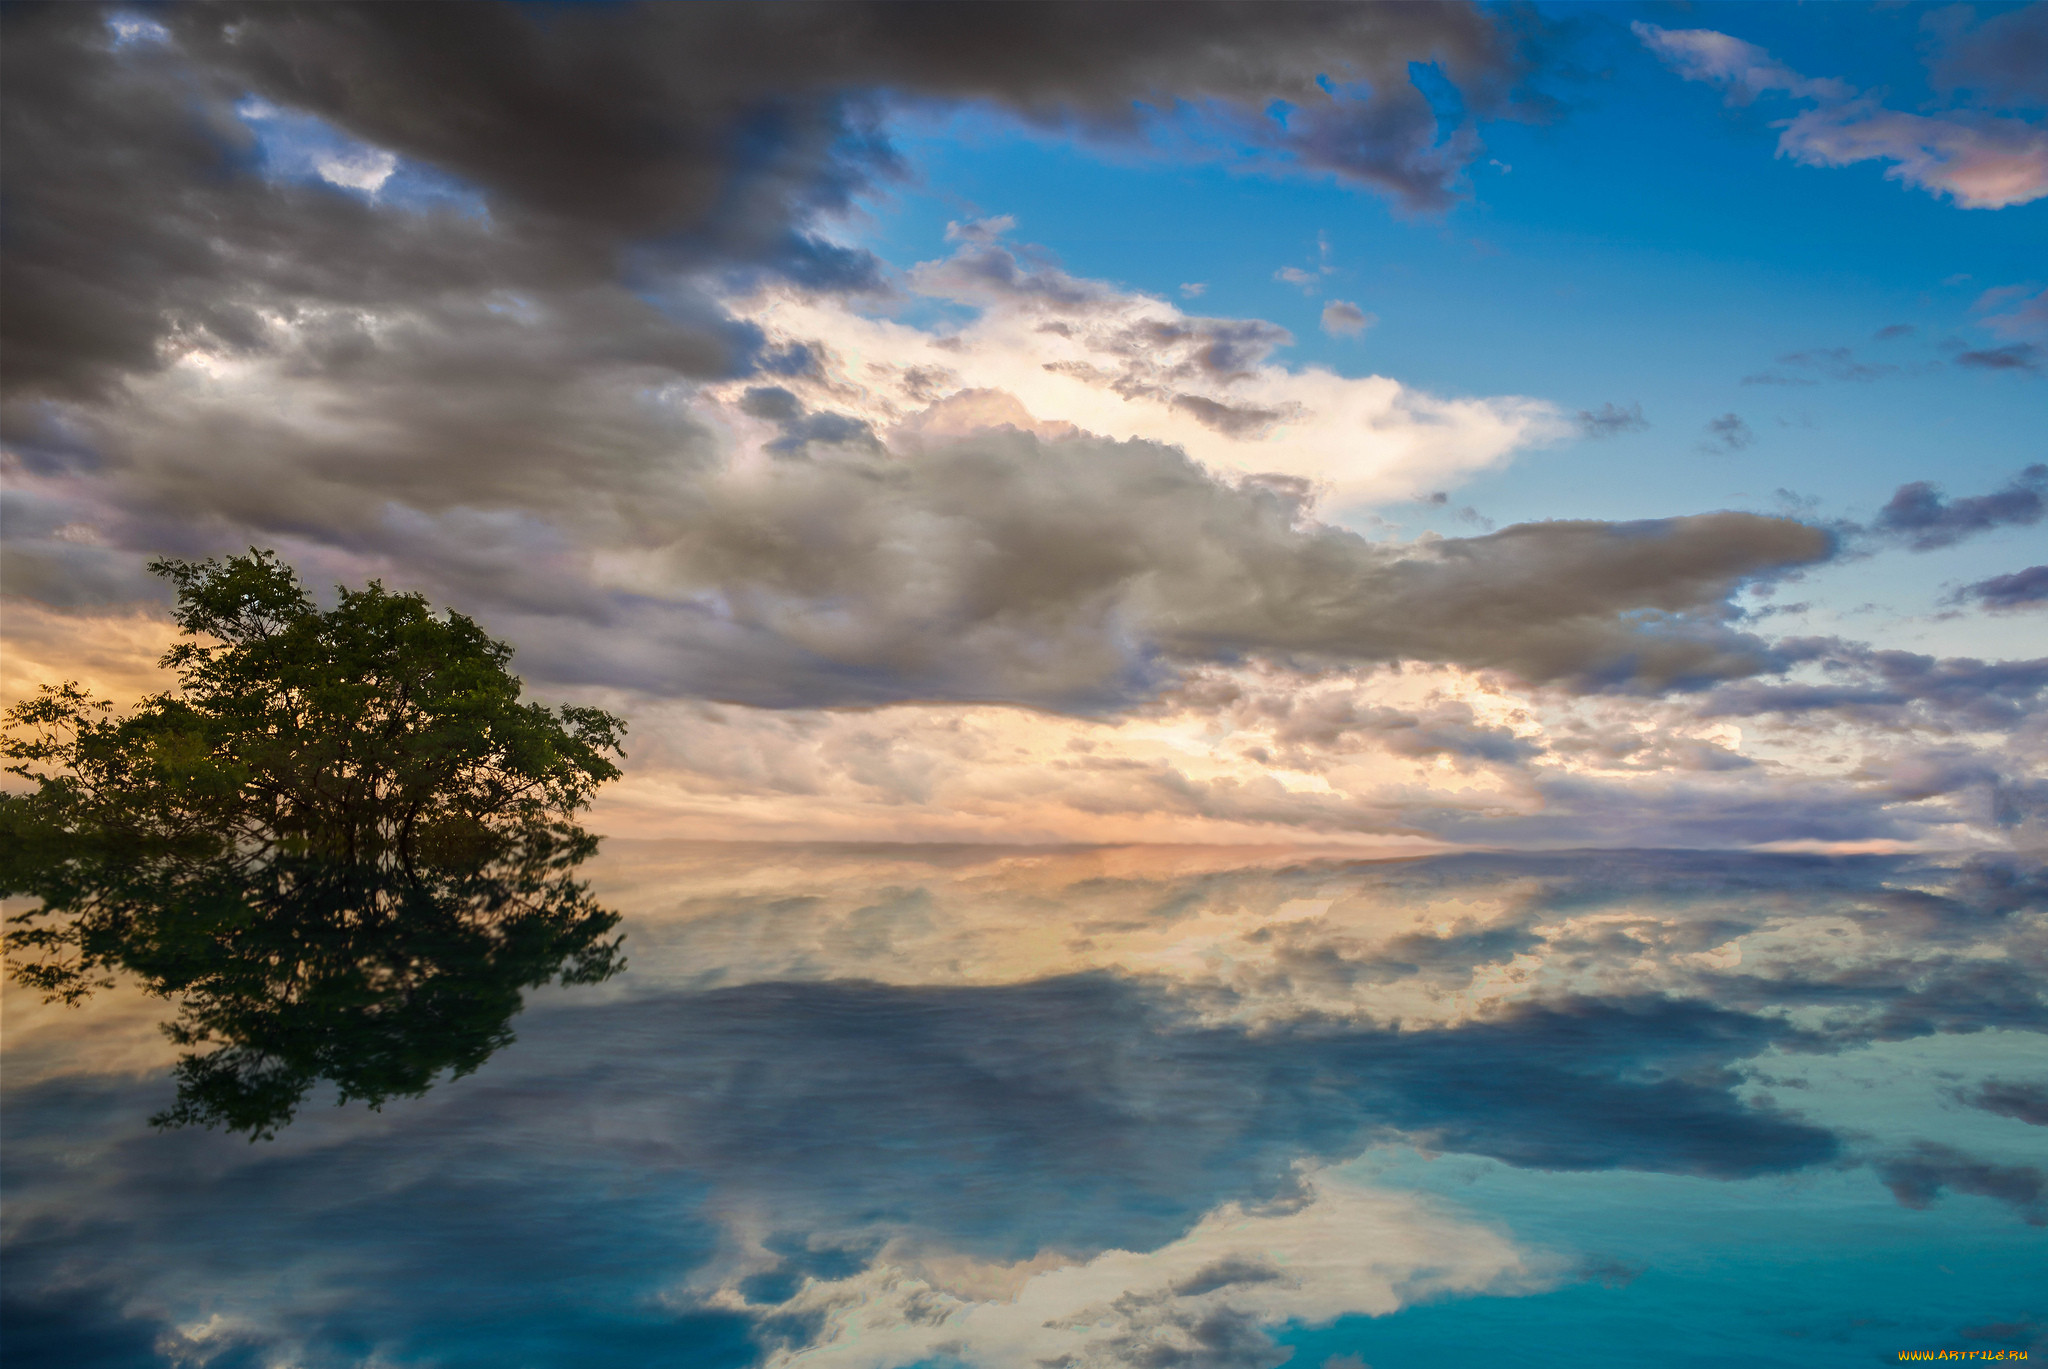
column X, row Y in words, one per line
column 341, row 843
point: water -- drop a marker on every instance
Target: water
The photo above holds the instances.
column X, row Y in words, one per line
column 882, row 1107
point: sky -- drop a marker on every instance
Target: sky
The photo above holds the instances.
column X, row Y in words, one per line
column 1396, row 427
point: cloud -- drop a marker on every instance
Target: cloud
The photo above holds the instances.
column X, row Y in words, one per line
column 1341, row 318
column 2001, row 61
column 1919, row 516
column 2016, row 356
column 1078, row 573
column 1611, row 420
column 2022, row 589
column 1744, row 70
column 2021, row 1100
column 1128, row 365
column 1962, row 690
column 1918, row 1178
column 1982, row 161
column 1728, row 433
column 2012, row 312
column 1829, row 363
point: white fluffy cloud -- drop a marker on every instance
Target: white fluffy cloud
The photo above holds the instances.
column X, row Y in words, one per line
column 1042, row 347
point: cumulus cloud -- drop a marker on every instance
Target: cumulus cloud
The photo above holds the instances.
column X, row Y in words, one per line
column 1341, row 318
column 718, row 133
column 1981, row 160
column 501, row 226
column 1129, row 365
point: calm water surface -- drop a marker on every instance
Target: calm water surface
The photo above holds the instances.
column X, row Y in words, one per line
column 872, row 1107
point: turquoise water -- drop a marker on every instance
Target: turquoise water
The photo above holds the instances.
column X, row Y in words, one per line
column 873, row 1106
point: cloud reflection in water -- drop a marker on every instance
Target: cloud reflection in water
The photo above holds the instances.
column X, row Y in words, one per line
column 881, row 1107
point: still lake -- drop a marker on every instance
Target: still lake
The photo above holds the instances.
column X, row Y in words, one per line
column 873, row 1107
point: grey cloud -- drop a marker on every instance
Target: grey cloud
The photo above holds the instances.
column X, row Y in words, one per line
column 1233, row 420
column 622, row 100
column 2014, row 356
column 1080, row 574
column 2018, row 1099
column 1071, row 573
column 1341, row 318
column 1919, row 516
column 1611, row 420
column 2002, row 61
column 1728, row 433
column 609, row 152
column 1892, row 332
column 1959, row 690
column 1823, row 363
column 1578, row 810
column 1918, row 1177
column 2022, row 589
column 1324, row 721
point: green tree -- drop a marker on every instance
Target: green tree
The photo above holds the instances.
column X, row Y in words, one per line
column 341, row 844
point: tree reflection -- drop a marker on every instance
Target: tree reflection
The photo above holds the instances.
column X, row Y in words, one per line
column 377, row 976
column 343, row 846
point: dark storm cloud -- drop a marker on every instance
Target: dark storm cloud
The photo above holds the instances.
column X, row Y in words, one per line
column 2022, row 589
column 1924, row 520
column 708, row 135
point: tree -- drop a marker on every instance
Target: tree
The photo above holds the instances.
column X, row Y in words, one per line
column 342, row 844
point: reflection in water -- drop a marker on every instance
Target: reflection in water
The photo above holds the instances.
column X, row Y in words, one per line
column 376, row 976
column 878, row 1108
